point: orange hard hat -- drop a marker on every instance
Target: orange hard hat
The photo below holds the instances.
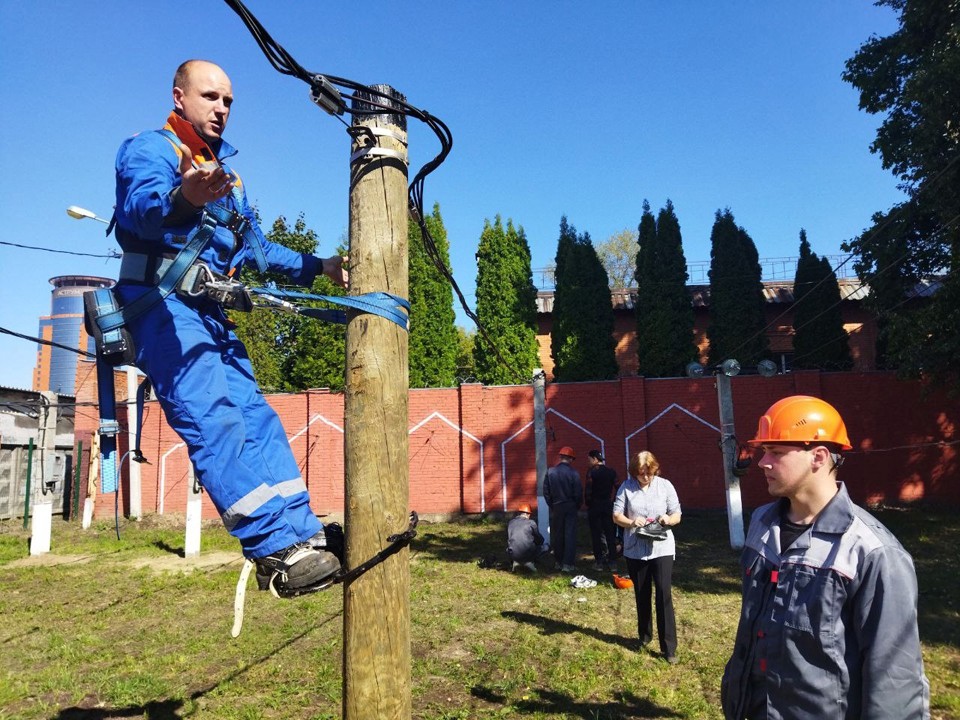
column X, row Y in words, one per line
column 802, row 419
column 524, row 508
column 622, row 583
column 568, row 451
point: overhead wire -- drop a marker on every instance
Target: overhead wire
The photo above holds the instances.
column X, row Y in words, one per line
column 873, row 235
column 51, row 343
column 369, row 100
column 114, row 255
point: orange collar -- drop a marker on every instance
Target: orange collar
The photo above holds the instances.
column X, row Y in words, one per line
column 184, row 130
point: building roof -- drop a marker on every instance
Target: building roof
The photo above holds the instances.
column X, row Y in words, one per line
column 774, row 292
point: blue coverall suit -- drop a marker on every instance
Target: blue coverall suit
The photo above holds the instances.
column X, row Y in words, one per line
column 199, row 370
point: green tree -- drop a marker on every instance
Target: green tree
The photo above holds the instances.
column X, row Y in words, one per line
column 618, row 256
column 287, row 351
column 820, row 341
column 466, row 339
column 908, row 78
column 582, row 334
column 433, row 334
column 506, row 307
column 663, row 309
column 737, row 326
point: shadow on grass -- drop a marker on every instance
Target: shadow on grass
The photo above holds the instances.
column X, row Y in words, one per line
column 931, row 537
column 478, row 539
column 162, row 545
column 549, row 626
column 627, row 705
column 169, row 709
column 158, row 710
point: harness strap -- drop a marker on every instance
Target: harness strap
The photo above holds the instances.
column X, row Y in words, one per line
column 196, row 241
column 230, row 219
column 392, row 307
column 109, row 427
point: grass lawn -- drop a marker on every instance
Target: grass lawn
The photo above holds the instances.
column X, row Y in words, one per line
column 106, row 628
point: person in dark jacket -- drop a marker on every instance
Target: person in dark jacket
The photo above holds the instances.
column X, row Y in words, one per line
column 598, row 495
column 524, row 541
column 828, row 625
column 564, row 494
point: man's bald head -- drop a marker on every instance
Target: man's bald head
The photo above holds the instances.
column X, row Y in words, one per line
column 202, row 94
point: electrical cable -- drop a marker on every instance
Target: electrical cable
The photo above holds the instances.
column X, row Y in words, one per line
column 874, row 234
column 114, row 255
column 51, row 343
column 325, row 93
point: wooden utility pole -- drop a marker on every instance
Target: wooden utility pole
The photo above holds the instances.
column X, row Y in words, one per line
column 376, row 606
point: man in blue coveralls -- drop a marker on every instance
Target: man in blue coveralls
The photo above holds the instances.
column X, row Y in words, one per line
column 200, row 371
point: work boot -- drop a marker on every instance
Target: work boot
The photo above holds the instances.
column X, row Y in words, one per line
column 295, row 567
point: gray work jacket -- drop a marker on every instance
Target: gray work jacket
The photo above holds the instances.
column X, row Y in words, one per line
column 828, row 628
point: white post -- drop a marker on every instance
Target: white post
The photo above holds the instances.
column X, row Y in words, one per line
column 42, row 518
column 540, row 448
column 133, row 418
column 728, row 443
column 191, row 541
column 40, row 524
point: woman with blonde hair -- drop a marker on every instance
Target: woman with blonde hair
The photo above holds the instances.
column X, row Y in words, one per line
column 647, row 507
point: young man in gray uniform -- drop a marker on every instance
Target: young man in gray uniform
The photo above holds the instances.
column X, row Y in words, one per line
column 828, row 626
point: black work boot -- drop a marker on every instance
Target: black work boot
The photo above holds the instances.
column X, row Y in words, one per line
column 295, row 567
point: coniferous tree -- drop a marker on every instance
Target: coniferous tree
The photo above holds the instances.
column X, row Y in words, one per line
column 664, row 312
column 819, row 339
column 737, row 326
column 582, row 334
column 506, row 307
column 433, row 332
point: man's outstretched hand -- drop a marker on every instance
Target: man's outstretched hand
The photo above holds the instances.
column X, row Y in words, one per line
column 203, row 184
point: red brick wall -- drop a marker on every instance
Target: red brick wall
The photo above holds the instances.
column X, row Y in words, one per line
column 472, row 448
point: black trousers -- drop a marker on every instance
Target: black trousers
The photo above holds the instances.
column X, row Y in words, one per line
column 658, row 571
column 600, row 516
column 563, row 532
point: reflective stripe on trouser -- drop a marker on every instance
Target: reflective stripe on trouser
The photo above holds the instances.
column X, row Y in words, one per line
column 204, row 381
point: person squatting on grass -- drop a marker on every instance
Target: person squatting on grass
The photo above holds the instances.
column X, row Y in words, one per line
column 647, row 506
column 524, row 541
column 564, row 495
column 199, row 369
column 828, row 625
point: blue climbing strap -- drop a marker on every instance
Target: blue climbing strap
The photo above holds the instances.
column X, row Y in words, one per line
column 392, row 307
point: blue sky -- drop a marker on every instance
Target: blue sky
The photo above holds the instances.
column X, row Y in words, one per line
column 556, row 108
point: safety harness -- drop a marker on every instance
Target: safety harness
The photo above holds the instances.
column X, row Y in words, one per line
column 106, row 320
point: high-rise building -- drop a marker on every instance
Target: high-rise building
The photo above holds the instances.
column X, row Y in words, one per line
column 56, row 367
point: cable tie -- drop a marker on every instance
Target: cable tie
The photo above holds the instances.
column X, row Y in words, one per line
column 373, row 152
